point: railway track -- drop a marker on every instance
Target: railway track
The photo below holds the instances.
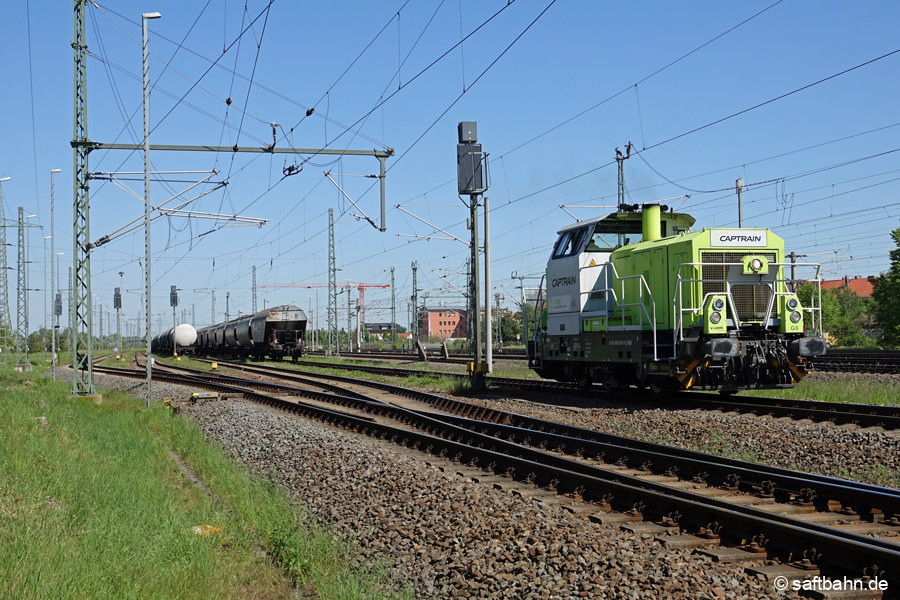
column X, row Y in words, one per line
column 459, row 358
column 843, row 361
column 738, row 511
column 859, row 361
column 863, row 415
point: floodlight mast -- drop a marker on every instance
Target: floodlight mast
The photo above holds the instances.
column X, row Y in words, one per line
column 6, row 331
column 149, row 361
column 55, row 325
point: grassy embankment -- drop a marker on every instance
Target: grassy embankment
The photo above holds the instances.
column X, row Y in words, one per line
column 92, row 505
column 434, row 380
column 847, row 388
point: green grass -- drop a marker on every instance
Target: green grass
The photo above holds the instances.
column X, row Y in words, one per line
column 720, row 445
column 111, row 361
column 93, row 506
column 436, row 379
column 843, row 389
column 522, row 372
column 186, row 362
column 877, row 473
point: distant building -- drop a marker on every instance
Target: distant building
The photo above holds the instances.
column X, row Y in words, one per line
column 381, row 331
column 448, row 321
column 861, row 286
column 444, row 322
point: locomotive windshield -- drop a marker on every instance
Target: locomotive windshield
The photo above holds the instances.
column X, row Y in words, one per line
column 569, row 243
column 601, row 242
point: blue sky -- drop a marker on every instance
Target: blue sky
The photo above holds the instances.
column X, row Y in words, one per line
column 552, row 102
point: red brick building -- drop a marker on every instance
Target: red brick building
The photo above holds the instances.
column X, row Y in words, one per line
column 861, row 286
column 444, row 322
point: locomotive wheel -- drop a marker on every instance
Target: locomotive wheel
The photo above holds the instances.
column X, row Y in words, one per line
column 584, row 383
column 662, row 387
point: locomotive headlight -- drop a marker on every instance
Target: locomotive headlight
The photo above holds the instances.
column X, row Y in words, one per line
column 754, row 265
column 714, row 315
column 792, row 303
column 796, row 316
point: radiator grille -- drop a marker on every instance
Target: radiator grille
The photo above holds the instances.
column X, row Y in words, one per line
column 750, row 300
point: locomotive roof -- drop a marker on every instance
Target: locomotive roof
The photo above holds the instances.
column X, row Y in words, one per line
column 630, row 222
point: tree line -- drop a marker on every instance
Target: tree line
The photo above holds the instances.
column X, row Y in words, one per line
column 853, row 321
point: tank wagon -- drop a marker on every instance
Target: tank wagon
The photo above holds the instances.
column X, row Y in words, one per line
column 274, row 332
column 676, row 309
column 179, row 339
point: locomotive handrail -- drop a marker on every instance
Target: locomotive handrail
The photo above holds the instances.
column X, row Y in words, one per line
column 678, row 309
column 640, row 303
column 536, row 319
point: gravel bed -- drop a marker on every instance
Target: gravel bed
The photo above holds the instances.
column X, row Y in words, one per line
column 136, row 387
column 864, row 454
column 867, row 455
column 445, row 536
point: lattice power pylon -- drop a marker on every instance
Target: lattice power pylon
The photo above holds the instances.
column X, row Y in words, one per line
column 82, row 145
column 393, row 309
column 5, row 317
column 254, row 290
column 333, row 346
column 21, row 297
column 82, row 347
column 416, row 322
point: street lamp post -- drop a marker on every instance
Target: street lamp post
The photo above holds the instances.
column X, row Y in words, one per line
column 46, row 319
column 149, row 361
column 57, row 312
column 53, row 275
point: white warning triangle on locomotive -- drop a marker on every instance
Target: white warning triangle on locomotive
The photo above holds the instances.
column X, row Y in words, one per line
column 638, row 298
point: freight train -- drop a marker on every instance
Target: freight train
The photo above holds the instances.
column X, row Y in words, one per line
column 637, row 298
column 179, row 339
column 274, row 332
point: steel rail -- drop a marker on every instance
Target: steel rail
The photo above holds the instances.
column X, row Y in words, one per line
column 787, row 536
column 574, row 440
column 864, row 415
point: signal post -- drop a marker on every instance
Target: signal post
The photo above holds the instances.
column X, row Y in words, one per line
column 472, row 176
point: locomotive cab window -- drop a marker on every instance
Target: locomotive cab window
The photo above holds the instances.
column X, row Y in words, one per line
column 569, row 243
column 601, row 242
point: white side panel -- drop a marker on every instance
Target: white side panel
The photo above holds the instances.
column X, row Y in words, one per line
column 562, row 285
column 595, row 277
column 564, row 324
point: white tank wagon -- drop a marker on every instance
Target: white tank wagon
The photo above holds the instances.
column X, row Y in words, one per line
column 179, row 339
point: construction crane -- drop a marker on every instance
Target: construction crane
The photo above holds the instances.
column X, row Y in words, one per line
column 343, row 285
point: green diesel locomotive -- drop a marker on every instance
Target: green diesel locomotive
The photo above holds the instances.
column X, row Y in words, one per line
column 678, row 309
